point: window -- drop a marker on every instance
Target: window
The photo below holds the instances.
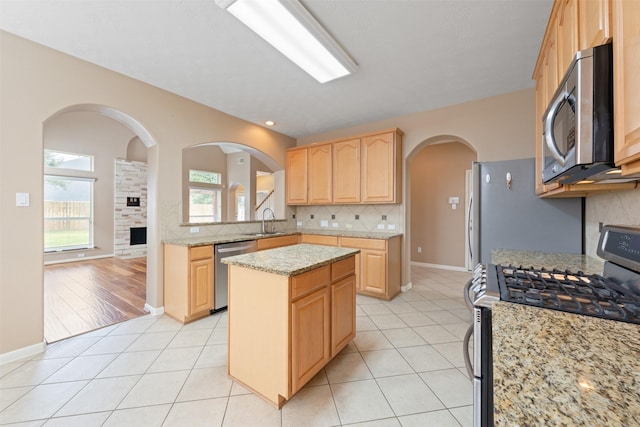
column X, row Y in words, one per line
column 68, row 213
column 205, row 198
column 62, row 160
column 205, row 205
column 205, row 177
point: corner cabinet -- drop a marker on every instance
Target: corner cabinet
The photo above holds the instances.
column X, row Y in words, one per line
column 574, row 25
column 364, row 169
column 626, row 84
column 188, row 281
column 378, row 265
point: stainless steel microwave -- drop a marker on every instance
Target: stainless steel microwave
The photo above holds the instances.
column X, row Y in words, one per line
column 578, row 123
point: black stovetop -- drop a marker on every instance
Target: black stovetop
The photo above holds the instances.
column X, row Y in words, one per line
column 588, row 294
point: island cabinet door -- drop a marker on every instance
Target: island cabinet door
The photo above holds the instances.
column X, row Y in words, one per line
column 343, row 309
column 310, row 340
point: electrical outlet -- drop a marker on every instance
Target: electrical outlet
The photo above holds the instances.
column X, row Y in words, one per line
column 380, row 226
column 419, row 249
column 80, row 255
column 299, row 224
column 334, row 224
column 324, row 223
column 194, row 230
column 348, row 226
column 391, row 226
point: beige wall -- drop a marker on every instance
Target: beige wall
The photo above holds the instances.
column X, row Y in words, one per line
column 438, row 172
column 37, row 82
column 91, row 134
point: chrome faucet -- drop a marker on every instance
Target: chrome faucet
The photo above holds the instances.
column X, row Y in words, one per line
column 264, row 225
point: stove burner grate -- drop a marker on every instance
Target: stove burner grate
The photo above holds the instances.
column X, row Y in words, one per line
column 581, row 293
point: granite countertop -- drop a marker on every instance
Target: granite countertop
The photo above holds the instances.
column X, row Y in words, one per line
column 224, row 238
column 228, row 238
column 549, row 260
column 291, row 260
column 348, row 233
column 557, row 369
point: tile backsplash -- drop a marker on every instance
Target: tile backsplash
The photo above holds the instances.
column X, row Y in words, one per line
column 621, row 207
column 388, row 218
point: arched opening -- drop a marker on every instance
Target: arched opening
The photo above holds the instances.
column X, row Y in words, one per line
column 106, row 275
column 437, row 202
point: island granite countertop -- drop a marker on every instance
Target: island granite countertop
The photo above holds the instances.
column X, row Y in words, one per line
column 291, row 260
column 554, row 368
column 549, row 260
column 240, row 237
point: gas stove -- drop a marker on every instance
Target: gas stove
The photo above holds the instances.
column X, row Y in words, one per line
column 613, row 295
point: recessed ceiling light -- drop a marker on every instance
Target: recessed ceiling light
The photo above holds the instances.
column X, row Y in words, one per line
column 269, row 123
column 291, row 29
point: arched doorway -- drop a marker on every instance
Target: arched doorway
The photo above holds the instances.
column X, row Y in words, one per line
column 436, row 201
column 114, row 286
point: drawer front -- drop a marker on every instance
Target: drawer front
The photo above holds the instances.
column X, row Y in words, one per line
column 200, row 252
column 305, row 283
column 319, row 240
column 351, row 242
column 343, row 268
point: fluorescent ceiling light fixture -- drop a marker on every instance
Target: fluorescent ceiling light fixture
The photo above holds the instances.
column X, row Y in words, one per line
column 290, row 28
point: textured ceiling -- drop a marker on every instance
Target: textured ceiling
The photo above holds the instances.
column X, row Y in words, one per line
column 412, row 55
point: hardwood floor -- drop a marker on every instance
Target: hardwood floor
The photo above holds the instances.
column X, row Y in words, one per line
column 86, row 295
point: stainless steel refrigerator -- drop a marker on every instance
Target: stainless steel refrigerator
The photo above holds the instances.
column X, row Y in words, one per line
column 505, row 213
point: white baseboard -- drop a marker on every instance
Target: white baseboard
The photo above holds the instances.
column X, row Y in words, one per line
column 442, row 267
column 23, row 352
column 406, row 287
column 84, row 258
column 154, row 311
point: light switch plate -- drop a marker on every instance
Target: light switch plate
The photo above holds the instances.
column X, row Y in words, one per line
column 380, row 226
column 22, row 199
column 324, row 223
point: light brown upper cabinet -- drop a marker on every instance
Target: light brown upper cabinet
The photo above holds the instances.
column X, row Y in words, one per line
column 581, row 24
column 380, row 176
column 320, row 175
column 626, row 84
column 346, row 171
column 595, row 23
column 567, row 35
column 296, row 176
column 362, row 169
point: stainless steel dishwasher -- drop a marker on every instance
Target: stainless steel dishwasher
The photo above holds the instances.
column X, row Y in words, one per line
column 221, row 277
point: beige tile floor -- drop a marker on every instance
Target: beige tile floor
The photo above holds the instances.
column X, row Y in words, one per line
column 404, row 368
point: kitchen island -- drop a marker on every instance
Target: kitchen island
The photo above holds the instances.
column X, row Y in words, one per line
column 291, row 310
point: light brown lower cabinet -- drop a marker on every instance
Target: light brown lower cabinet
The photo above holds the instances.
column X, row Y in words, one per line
column 379, row 265
column 188, row 281
column 278, row 241
column 284, row 330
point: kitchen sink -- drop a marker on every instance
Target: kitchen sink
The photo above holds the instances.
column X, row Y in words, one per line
column 260, row 234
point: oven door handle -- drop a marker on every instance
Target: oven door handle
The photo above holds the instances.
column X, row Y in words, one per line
column 465, row 351
column 467, row 297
